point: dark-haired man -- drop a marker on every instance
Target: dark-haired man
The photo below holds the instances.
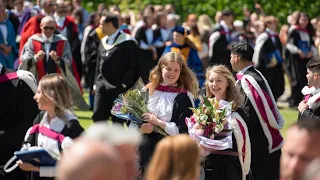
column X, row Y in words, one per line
column 309, row 107
column 263, row 117
column 117, row 67
column 300, row 148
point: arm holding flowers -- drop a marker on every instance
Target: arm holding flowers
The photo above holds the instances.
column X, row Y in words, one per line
column 177, row 125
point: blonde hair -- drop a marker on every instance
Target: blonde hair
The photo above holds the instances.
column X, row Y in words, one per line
column 187, row 79
column 55, row 88
column 175, row 158
column 233, row 92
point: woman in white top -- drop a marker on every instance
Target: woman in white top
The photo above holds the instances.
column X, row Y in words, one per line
column 57, row 125
column 172, row 87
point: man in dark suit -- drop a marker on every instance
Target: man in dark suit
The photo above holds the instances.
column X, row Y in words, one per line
column 263, row 117
column 117, row 67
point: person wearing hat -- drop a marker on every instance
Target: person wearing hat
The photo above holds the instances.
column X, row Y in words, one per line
column 221, row 40
column 182, row 45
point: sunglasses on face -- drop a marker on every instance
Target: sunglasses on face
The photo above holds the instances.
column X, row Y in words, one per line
column 48, row 28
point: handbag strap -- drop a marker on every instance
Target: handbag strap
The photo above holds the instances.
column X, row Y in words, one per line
column 11, row 160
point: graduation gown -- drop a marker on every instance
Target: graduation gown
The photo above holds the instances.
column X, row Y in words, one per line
column 70, row 31
column 218, row 51
column 264, row 122
column 30, row 28
column 191, row 58
column 298, row 39
column 91, row 54
column 235, row 163
column 47, row 65
column 146, row 60
column 177, row 104
column 18, row 110
column 117, row 70
column 313, row 100
column 8, row 60
column 268, row 60
column 32, row 137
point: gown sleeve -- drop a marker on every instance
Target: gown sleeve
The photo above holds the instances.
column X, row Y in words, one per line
column 181, row 110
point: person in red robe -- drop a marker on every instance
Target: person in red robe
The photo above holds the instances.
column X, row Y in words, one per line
column 33, row 25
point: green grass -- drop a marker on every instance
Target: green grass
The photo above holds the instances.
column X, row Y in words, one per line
column 289, row 115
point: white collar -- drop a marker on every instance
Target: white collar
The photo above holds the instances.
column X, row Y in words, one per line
column 59, row 18
column 1, row 68
column 44, row 13
column 58, row 124
column 244, row 70
column 224, row 26
column 47, row 39
column 113, row 36
column 271, row 32
column 316, row 91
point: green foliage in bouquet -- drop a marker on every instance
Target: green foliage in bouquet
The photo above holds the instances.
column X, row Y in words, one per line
column 210, row 118
column 135, row 103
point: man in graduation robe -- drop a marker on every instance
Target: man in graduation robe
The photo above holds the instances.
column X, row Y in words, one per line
column 117, row 67
column 309, row 108
column 48, row 53
column 33, row 25
column 67, row 27
column 18, row 110
column 267, row 57
column 264, row 120
column 221, row 40
column 91, row 53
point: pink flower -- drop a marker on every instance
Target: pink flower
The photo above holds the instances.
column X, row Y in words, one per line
column 199, row 132
column 193, row 120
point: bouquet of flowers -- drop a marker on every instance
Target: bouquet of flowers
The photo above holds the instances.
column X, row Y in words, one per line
column 131, row 106
column 209, row 124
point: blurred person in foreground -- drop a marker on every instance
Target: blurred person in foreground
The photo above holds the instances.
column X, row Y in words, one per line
column 300, row 148
column 88, row 160
column 125, row 141
column 169, row 160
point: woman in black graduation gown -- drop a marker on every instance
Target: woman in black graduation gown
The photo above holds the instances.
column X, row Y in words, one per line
column 58, row 120
column 148, row 39
column 172, row 89
column 300, row 48
column 232, row 163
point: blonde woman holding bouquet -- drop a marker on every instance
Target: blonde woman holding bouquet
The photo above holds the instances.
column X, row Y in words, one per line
column 58, row 124
column 233, row 162
column 172, row 88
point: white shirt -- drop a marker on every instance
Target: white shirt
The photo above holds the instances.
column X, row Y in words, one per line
column 60, row 23
column 47, row 44
column 161, row 105
column 1, row 68
column 244, row 70
column 272, row 33
column 111, row 39
column 4, row 32
column 226, row 29
column 56, row 124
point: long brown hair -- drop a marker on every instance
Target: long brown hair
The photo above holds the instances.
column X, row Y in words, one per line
column 55, row 88
column 187, row 78
column 233, row 92
column 175, row 158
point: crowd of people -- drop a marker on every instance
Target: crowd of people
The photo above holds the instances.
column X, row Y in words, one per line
column 59, row 51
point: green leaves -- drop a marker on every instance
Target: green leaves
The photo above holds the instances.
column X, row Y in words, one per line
column 280, row 9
